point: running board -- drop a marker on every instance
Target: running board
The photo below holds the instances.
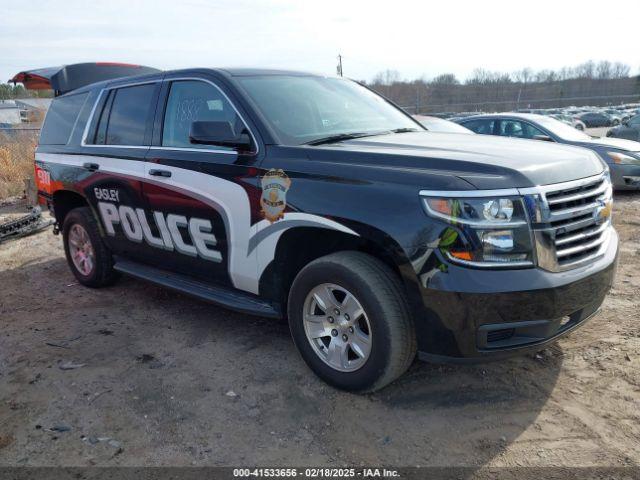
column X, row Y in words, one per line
column 231, row 299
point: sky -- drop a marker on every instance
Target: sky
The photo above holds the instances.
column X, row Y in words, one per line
column 419, row 39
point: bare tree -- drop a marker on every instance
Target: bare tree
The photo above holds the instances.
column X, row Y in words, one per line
column 604, row 69
column 445, row 79
column 490, row 90
column 620, row 70
column 586, row 70
column 387, row 77
column 523, row 76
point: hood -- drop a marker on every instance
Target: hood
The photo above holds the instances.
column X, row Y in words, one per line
column 486, row 162
column 617, row 143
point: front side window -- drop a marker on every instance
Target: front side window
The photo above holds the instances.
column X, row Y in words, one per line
column 635, row 121
column 61, row 118
column 126, row 121
column 303, row 109
column 190, row 101
column 483, row 127
column 515, row 128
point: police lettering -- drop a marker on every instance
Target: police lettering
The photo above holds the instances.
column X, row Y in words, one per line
column 136, row 228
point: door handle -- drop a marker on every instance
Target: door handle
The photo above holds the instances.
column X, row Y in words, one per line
column 92, row 167
column 160, row 173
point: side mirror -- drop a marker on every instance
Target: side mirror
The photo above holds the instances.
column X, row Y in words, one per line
column 218, row 133
column 544, row 138
column 625, row 123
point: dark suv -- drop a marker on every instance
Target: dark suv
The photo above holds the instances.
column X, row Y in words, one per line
column 285, row 194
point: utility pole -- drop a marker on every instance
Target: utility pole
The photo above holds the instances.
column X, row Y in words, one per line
column 339, row 68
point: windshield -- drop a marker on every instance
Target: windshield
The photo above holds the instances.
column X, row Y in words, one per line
column 562, row 130
column 303, row 109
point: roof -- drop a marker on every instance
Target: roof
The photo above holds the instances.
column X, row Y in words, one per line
column 248, row 72
column 85, row 76
column 524, row 116
column 230, row 72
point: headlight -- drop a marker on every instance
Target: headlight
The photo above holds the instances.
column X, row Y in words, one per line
column 623, row 158
column 485, row 231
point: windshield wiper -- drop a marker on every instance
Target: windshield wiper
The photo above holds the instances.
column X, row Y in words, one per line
column 340, row 137
column 405, row 130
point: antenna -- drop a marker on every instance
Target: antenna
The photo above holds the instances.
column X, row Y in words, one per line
column 339, row 68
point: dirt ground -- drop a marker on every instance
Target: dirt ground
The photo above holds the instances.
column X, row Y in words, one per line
column 138, row 375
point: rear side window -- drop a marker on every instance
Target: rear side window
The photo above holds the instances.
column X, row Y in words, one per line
column 61, row 118
column 123, row 120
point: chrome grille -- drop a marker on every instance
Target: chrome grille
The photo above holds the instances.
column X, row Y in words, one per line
column 572, row 222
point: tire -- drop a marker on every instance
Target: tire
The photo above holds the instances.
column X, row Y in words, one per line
column 99, row 271
column 386, row 317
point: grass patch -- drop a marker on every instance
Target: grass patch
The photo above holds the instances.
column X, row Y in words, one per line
column 16, row 162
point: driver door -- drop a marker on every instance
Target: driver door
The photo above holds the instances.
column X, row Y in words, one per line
column 198, row 194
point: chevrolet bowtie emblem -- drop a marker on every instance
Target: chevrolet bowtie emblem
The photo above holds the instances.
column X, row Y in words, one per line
column 603, row 211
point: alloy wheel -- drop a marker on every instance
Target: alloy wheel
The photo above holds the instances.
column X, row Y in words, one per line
column 337, row 327
column 81, row 250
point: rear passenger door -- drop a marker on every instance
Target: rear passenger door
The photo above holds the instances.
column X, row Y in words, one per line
column 202, row 197
column 114, row 148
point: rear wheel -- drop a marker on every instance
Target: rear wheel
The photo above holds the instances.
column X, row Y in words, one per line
column 87, row 255
column 349, row 319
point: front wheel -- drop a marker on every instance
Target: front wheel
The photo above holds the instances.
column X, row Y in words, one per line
column 349, row 319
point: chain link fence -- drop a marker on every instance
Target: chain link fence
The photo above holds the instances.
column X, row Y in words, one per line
column 17, row 147
column 512, row 105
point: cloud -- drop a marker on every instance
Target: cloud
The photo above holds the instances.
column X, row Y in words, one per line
column 414, row 37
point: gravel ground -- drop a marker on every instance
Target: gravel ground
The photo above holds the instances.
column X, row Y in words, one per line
column 138, row 375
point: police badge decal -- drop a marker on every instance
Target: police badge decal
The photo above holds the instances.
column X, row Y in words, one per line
column 275, row 184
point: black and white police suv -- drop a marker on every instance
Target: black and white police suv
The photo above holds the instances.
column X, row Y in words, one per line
column 286, row 194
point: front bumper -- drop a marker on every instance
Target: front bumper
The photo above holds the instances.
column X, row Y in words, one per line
column 625, row 177
column 475, row 315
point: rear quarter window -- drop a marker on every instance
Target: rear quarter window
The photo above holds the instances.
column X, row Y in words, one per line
column 61, row 118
